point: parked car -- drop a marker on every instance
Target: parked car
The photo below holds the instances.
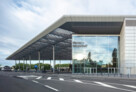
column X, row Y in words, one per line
column 0, row 68
column 6, row 68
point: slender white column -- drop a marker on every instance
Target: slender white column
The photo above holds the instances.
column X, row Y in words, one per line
column 108, row 70
column 114, row 70
column 59, row 65
column 39, row 59
column 60, row 61
column 19, row 64
column 50, row 63
column 15, row 64
column 43, row 61
column 23, row 64
column 26, row 65
column 30, row 61
column 53, row 59
column 90, row 71
column 96, row 67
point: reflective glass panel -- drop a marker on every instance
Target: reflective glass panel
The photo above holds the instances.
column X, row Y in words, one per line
column 94, row 53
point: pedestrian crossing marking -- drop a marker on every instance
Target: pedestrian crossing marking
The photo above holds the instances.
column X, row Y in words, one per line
column 131, row 86
column 49, row 78
column 105, row 85
column 39, row 77
column 61, row 79
column 35, row 81
column 51, row 87
column 78, row 81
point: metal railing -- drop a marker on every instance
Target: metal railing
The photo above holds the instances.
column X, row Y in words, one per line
column 123, row 72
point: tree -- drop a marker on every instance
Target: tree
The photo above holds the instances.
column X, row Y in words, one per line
column 90, row 60
column 114, row 58
column 89, row 56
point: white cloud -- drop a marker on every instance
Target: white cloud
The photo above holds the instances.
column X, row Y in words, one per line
column 11, row 41
column 5, row 51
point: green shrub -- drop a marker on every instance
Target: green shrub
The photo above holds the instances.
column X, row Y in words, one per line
column 62, row 65
column 46, row 66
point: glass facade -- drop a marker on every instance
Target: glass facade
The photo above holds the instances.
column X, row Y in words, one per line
column 95, row 54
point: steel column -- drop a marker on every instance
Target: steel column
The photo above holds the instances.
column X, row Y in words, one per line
column 84, row 66
column 15, row 64
column 26, row 65
column 59, row 65
column 23, row 64
column 43, row 61
column 90, row 71
column 30, row 61
column 19, row 65
column 108, row 70
column 50, row 63
column 53, row 58
column 39, row 59
column 114, row 70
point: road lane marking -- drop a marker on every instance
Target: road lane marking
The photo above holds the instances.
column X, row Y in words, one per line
column 45, row 85
column 105, row 85
column 51, row 87
column 35, row 81
column 100, row 85
column 49, row 78
column 26, row 77
column 78, row 81
column 39, row 77
column 61, row 79
column 116, row 83
column 131, row 86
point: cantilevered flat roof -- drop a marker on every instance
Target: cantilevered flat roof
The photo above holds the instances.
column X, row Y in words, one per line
column 60, row 35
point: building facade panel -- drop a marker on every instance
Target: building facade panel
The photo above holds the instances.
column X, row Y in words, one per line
column 130, row 46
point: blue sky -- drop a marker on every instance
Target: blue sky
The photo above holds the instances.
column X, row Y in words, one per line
column 21, row 20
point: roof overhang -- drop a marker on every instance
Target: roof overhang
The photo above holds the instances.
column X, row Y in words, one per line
column 60, row 34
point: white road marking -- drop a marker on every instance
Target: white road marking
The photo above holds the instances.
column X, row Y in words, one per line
column 105, row 85
column 46, row 85
column 131, row 86
column 78, row 81
column 49, row 78
column 97, row 85
column 51, row 88
column 35, row 81
column 39, row 77
column 26, row 77
column 61, row 79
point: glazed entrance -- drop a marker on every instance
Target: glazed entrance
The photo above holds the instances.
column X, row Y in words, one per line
column 95, row 54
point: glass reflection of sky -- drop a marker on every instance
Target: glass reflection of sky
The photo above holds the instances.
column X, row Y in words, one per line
column 101, row 47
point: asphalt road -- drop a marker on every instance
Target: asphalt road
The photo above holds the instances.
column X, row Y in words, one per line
column 26, row 82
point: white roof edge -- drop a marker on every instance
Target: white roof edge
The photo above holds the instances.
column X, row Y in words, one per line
column 74, row 18
column 43, row 33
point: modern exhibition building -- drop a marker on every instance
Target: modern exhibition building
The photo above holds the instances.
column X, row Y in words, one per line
column 95, row 44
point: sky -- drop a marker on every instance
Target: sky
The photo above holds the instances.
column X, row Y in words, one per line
column 21, row 20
